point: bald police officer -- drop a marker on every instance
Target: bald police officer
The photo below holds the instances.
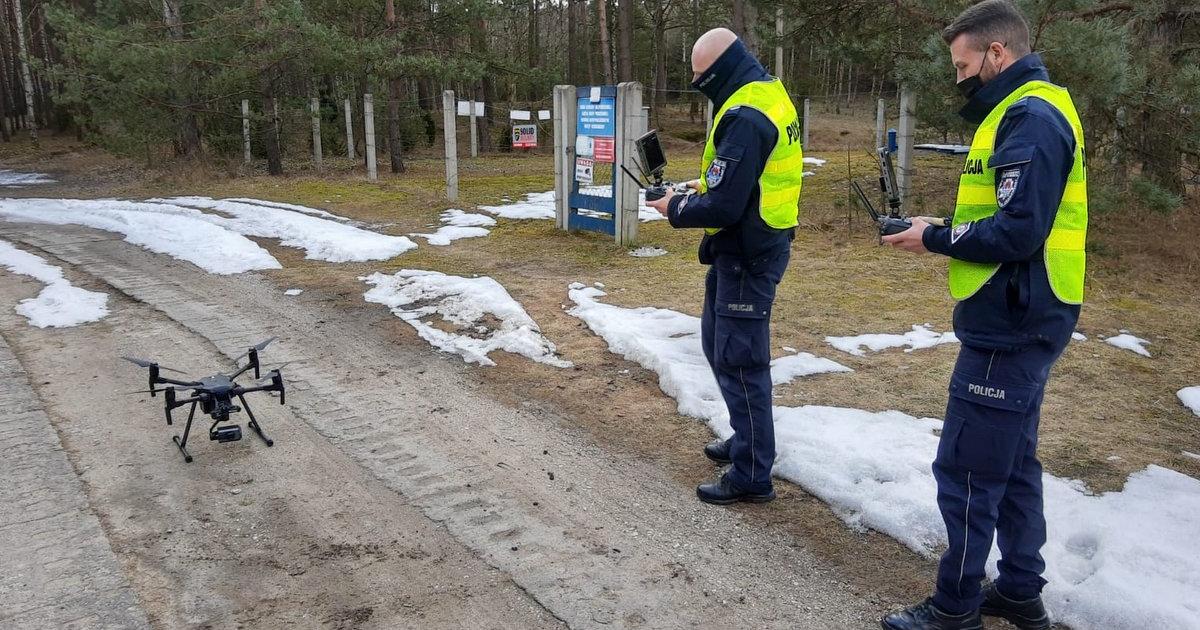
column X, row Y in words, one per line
column 1016, row 251
column 747, row 202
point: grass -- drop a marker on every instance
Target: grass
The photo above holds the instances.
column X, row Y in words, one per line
column 1107, row 412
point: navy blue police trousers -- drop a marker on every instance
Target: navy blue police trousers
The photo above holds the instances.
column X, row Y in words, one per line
column 736, row 335
column 988, row 475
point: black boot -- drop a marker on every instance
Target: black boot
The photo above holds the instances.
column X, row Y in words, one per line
column 1027, row 614
column 723, row 492
column 718, row 451
column 926, row 616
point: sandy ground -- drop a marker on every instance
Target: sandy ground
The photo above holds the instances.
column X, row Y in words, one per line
column 615, row 539
column 398, row 493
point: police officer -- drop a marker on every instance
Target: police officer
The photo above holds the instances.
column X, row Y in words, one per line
column 1016, row 251
column 746, row 201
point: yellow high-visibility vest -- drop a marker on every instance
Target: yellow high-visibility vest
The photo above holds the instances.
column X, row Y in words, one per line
column 1065, row 259
column 779, row 184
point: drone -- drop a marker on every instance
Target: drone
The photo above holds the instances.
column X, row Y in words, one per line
column 214, row 395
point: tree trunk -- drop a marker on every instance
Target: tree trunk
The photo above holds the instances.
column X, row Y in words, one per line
column 605, row 48
column 572, row 43
column 479, row 46
column 1162, row 148
column 270, row 110
column 395, row 93
column 744, row 19
column 187, row 140
column 27, row 79
column 625, row 40
column 660, row 64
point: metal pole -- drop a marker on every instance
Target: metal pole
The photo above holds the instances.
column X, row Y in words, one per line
column 450, row 132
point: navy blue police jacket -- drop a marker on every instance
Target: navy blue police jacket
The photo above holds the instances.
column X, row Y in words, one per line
column 1016, row 308
column 744, row 139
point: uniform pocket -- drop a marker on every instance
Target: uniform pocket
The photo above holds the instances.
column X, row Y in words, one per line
column 742, row 340
column 985, row 424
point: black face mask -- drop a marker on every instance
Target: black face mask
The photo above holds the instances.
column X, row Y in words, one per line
column 969, row 86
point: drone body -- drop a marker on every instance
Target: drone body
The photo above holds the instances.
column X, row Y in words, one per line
column 214, row 395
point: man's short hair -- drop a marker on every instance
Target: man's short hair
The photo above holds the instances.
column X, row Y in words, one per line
column 991, row 21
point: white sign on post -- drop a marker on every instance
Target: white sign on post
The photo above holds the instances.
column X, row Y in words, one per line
column 519, row 114
column 584, row 146
column 543, row 114
column 584, row 168
column 464, row 108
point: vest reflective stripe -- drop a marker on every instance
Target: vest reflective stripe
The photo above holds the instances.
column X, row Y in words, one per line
column 1065, row 258
column 781, row 179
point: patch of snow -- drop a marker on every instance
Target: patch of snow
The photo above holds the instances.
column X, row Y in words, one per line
column 647, row 252
column 541, row 206
column 450, row 233
column 291, row 206
column 814, row 161
column 13, row 179
column 535, row 206
column 1189, row 455
column 458, row 218
column 953, row 149
column 1078, row 336
column 60, row 304
column 321, row 239
column 182, row 233
column 873, row 469
column 293, row 292
column 787, row 368
column 921, row 336
column 1129, row 342
column 418, row 297
column 1190, row 397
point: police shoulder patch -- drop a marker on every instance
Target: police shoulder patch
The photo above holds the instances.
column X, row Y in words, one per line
column 958, row 232
column 1009, row 178
column 715, row 172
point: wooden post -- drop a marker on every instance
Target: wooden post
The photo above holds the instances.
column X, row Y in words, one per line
column 779, row 42
column 369, row 133
column 315, row 105
column 564, row 151
column 474, row 130
column 246, row 130
column 349, row 130
column 807, row 110
column 904, row 137
column 880, row 120
column 630, row 125
column 450, row 131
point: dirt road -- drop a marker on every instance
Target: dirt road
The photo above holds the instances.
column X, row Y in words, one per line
column 397, row 495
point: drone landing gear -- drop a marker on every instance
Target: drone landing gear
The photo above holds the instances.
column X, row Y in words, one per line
column 182, row 444
column 253, row 424
column 223, row 434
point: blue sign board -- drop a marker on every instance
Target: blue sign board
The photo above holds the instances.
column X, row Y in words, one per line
column 596, row 119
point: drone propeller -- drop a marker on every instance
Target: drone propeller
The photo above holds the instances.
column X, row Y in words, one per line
column 153, row 391
column 144, row 363
column 255, row 348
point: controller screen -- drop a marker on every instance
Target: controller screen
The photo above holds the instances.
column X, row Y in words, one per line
column 651, row 152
